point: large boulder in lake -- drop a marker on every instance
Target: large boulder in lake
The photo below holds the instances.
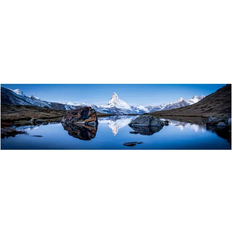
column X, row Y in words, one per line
column 81, row 115
column 81, row 123
column 146, row 125
column 146, row 120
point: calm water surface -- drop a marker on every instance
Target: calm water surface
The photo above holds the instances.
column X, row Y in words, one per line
column 113, row 131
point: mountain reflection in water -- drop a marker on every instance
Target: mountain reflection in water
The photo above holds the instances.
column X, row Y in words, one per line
column 224, row 133
column 113, row 131
column 183, row 125
column 116, row 123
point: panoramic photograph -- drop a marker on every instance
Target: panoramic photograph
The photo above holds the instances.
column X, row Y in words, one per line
column 116, row 116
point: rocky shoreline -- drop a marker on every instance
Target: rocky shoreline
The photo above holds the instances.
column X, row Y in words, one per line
column 18, row 115
column 7, row 132
column 214, row 108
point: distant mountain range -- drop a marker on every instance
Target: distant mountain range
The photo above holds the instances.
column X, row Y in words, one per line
column 217, row 104
column 114, row 106
column 177, row 104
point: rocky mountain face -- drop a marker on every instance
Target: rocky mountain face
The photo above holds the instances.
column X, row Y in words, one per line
column 114, row 106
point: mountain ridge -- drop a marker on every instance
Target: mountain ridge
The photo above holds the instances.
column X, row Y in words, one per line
column 114, row 106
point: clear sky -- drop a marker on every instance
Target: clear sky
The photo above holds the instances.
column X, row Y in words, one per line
column 133, row 94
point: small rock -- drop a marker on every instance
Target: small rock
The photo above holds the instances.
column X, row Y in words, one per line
column 166, row 122
column 32, row 121
column 131, row 144
column 38, row 121
column 228, row 121
column 221, row 125
column 37, row 135
column 210, row 120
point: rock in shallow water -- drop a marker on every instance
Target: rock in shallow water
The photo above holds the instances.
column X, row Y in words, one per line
column 7, row 132
column 218, row 122
column 221, row 125
column 81, row 123
column 36, row 121
column 131, row 144
column 146, row 125
column 146, row 120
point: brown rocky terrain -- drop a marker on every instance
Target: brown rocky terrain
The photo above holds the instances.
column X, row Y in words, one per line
column 19, row 115
column 217, row 104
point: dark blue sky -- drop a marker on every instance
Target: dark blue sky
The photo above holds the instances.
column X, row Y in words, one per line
column 134, row 94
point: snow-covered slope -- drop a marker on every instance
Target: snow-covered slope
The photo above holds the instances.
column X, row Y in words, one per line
column 177, row 104
column 140, row 109
column 18, row 91
column 17, row 97
column 195, row 99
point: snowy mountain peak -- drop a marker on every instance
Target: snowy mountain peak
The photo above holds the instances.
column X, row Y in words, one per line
column 180, row 99
column 70, row 103
column 34, row 98
column 114, row 98
column 199, row 98
column 18, row 91
column 115, row 95
column 114, row 106
column 195, row 97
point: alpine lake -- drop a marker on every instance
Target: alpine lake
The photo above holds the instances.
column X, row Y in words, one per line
column 113, row 132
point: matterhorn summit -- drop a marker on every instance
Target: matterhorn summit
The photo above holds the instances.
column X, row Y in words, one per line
column 114, row 106
column 118, row 103
column 114, row 98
